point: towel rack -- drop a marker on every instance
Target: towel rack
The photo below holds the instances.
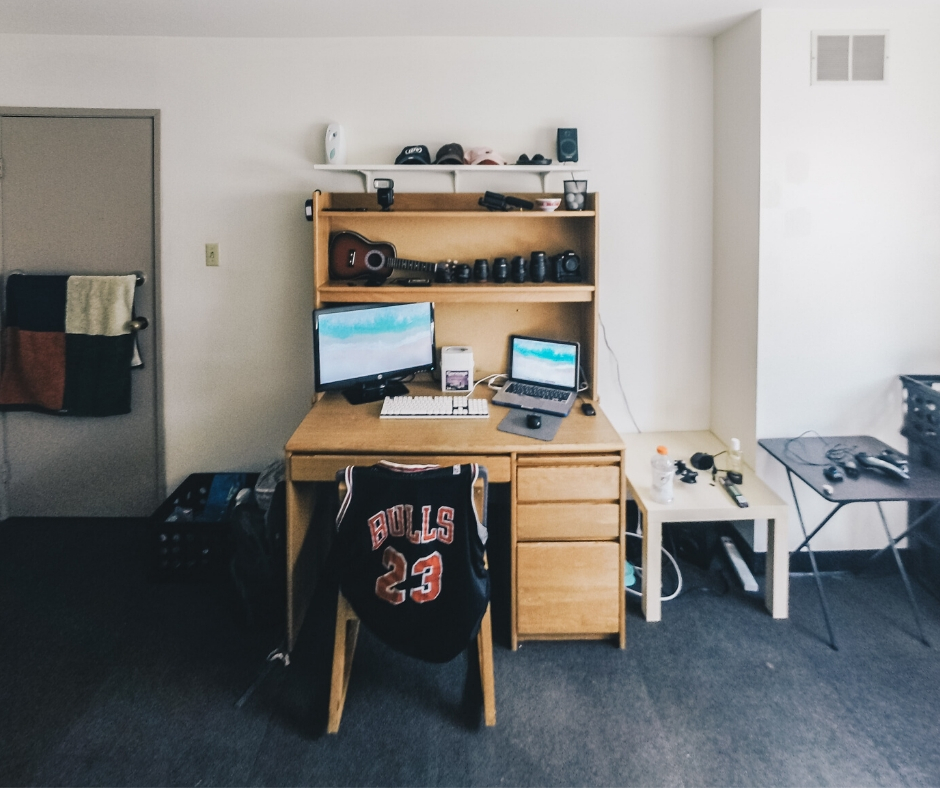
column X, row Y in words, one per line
column 139, row 278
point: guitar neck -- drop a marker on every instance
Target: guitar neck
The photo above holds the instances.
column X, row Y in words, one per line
column 410, row 265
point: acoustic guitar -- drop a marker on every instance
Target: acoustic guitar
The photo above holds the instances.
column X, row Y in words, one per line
column 353, row 256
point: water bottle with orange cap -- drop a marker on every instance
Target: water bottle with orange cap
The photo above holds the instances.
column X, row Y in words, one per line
column 663, row 473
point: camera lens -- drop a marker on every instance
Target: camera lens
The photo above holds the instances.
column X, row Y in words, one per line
column 538, row 265
column 462, row 273
column 481, row 270
column 519, row 266
column 500, row 269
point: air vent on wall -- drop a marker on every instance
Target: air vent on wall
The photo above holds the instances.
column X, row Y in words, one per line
column 849, row 57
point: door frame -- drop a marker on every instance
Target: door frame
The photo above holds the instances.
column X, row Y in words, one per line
column 156, row 322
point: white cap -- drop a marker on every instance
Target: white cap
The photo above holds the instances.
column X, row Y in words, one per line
column 735, row 444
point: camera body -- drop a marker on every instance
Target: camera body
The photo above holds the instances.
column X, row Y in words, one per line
column 566, row 267
column 385, row 192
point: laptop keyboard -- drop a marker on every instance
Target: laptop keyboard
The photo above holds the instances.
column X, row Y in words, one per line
column 529, row 390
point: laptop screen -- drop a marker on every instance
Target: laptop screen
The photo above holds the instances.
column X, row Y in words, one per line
column 544, row 361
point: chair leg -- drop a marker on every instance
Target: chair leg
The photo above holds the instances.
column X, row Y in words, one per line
column 344, row 646
column 485, row 651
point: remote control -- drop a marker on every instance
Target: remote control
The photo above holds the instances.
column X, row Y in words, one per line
column 736, row 495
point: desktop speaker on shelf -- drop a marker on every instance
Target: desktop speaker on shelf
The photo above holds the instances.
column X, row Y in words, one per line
column 456, row 369
column 567, row 144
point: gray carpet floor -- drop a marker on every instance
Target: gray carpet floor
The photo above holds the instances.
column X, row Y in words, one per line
column 109, row 679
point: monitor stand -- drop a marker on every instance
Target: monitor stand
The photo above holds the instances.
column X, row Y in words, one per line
column 373, row 391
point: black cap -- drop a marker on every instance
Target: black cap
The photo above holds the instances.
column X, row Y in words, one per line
column 452, row 153
column 414, row 154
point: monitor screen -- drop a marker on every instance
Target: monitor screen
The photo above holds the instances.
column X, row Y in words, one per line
column 545, row 361
column 366, row 345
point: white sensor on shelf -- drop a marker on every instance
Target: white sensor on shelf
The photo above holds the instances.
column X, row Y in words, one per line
column 335, row 144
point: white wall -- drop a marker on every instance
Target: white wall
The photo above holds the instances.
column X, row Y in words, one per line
column 243, row 121
column 737, row 234
column 849, row 242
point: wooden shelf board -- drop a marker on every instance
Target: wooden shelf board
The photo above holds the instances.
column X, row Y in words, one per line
column 461, row 214
column 548, row 292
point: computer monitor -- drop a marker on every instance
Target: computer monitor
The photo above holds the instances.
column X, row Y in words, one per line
column 364, row 350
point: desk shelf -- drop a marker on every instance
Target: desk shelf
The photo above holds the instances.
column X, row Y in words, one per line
column 438, row 227
column 481, row 213
column 491, row 293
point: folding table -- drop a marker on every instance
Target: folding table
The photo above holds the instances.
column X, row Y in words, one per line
column 806, row 458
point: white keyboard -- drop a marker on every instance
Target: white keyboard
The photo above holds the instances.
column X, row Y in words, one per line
column 435, row 408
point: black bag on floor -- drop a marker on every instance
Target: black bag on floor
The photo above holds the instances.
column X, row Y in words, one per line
column 258, row 565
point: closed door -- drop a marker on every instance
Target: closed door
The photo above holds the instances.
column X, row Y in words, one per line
column 77, row 196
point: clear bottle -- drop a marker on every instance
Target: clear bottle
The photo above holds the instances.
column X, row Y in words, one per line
column 734, row 456
column 663, row 473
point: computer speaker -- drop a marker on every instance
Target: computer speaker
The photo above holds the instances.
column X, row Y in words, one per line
column 567, row 144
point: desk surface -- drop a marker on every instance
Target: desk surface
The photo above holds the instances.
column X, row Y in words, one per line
column 701, row 501
column 806, row 458
column 333, row 426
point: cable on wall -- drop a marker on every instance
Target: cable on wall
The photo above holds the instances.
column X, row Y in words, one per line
column 617, row 368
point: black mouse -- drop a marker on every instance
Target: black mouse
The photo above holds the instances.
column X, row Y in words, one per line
column 833, row 474
column 533, row 421
column 588, row 409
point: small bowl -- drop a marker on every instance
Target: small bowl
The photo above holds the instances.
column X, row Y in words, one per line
column 547, row 203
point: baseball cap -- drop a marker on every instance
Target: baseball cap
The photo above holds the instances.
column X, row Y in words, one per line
column 452, row 153
column 483, row 156
column 414, row 154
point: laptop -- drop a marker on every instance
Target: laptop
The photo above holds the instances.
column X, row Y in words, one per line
column 543, row 375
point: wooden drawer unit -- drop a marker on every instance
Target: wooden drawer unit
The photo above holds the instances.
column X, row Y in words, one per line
column 568, row 479
column 568, row 589
column 567, row 521
column 569, row 547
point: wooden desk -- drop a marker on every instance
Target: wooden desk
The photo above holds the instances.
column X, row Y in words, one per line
column 567, row 512
column 700, row 502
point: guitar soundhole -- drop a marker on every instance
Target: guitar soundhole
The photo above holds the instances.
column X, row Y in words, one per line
column 375, row 260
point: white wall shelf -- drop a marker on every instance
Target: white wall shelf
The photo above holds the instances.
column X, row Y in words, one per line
column 368, row 171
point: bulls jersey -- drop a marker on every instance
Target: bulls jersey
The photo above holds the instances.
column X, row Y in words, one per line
column 411, row 552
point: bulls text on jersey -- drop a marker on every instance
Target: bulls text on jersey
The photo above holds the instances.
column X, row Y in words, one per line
column 399, row 521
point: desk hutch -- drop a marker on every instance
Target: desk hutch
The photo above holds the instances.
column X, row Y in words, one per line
column 567, row 496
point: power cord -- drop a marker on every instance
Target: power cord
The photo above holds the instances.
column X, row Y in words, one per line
column 638, row 571
column 617, row 368
column 835, row 452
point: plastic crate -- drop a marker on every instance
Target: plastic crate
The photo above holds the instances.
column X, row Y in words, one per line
column 190, row 532
column 922, row 409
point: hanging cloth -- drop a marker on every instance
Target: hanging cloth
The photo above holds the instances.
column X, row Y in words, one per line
column 67, row 344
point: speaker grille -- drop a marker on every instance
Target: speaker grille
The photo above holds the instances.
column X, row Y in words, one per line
column 849, row 57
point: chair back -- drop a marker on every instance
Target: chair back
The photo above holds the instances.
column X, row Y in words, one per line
column 411, row 543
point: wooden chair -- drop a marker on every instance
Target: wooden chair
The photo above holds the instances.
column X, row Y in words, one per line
column 347, row 630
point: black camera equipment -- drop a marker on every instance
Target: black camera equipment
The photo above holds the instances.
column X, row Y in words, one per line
column 566, row 267
column 519, row 269
column 495, row 201
column 481, row 270
column 385, row 191
column 538, row 266
column 462, row 273
column 500, row 270
column 445, row 273
column 685, row 473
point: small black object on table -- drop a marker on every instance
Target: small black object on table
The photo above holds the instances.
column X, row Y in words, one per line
column 810, row 458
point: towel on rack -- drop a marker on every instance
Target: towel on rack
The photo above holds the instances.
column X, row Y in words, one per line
column 67, row 344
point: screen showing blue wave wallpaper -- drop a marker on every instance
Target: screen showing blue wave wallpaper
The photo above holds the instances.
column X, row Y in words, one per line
column 361, row 342
column 541, row 361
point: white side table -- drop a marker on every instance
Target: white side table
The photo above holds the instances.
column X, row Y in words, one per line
column 701, row 502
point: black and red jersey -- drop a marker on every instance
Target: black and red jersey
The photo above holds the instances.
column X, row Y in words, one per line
column 410, row 546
